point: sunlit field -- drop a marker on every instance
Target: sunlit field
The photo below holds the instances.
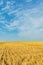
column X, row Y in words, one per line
column 21, row 53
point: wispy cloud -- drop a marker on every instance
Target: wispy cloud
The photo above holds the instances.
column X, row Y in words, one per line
column 29, row 22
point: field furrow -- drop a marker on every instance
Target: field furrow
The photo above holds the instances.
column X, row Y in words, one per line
column 21, row 54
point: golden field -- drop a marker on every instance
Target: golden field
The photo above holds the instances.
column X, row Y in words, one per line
column 21, row 53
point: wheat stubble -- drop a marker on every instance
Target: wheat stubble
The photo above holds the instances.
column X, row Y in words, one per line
column 21, row 54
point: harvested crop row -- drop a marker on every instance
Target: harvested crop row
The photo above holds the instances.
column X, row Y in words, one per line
column 21, row 55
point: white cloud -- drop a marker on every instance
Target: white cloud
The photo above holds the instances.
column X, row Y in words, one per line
column 12, row 25
column 27, row 21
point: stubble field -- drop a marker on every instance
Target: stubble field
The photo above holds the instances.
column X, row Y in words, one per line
column 21, row 53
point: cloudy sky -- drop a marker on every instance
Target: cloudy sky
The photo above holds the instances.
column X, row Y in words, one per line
column 21, row 20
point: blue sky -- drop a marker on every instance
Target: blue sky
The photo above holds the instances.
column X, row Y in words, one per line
column 21, row 20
